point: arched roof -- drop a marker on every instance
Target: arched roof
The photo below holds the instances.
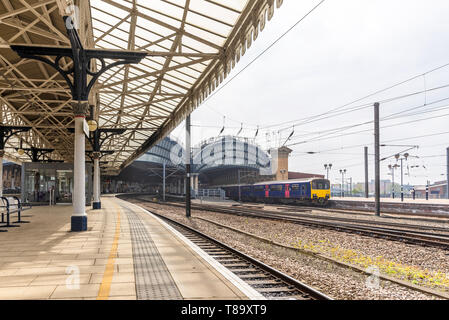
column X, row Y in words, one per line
column 166, row 151
column 229, row 152
column 190, row 48
column 216, row 153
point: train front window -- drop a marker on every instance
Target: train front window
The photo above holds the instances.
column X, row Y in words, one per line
column 320, row 185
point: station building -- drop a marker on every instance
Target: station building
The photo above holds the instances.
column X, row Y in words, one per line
column 216, row 162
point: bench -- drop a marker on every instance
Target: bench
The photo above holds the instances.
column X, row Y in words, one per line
column 12, row 205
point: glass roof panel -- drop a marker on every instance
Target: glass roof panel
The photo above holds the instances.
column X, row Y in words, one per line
column 189, row 45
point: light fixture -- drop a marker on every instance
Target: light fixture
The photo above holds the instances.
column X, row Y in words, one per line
column 20, row 151
column 92, row 125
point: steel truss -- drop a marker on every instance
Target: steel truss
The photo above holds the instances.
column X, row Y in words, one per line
column 190, row 47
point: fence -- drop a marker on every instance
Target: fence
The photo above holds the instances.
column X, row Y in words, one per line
column 211, row 193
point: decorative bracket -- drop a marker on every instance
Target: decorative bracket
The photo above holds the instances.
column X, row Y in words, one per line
column 96, row 139
column 37, row 154
column 77, row 75
column 98, row 154
column 7, row 132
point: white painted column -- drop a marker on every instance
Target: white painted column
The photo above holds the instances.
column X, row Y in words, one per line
column 79, row 216
column 96, row 186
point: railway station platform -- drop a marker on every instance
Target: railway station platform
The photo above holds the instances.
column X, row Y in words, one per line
column 126, row 253
column 395, row 200
column 421, row 207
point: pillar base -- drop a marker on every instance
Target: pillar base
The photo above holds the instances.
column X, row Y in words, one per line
column 79, row 223
column 96, row 205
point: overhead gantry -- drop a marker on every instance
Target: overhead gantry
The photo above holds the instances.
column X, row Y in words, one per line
column 143, row 65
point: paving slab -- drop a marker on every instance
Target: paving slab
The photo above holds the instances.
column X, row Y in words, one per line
column 45, row 260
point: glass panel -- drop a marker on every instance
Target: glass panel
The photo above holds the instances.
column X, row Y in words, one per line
column 65, row 186
column 38, row 183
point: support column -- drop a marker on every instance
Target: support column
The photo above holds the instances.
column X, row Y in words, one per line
column 97, row 201
column 188, row 167
column 377, row 158
column 2, row 153
column 350, row 186
column 196, row 183
column 163, row 181
column 366, row 174
column 79, row 216
column 447, row 173
column 392, row 181
column 402, row 181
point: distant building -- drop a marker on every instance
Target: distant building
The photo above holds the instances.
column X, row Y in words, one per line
column 300, row 175
column 437, row 190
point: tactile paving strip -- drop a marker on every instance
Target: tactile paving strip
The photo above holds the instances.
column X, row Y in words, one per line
column 153, row 280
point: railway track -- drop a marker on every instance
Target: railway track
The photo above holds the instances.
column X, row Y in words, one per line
column 414, row 234
column 396, row 216
column 290, row 212
column 269, row 282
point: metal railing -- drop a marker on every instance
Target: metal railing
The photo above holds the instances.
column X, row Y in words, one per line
column 211, row 193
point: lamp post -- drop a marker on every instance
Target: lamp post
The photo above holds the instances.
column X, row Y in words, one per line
column 327, row 167
column 402, row 158
column 392, row 168
column 342, row 192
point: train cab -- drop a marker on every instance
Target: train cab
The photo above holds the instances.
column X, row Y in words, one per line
column 320, row 191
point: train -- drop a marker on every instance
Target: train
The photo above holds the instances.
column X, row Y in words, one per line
column 311, row 191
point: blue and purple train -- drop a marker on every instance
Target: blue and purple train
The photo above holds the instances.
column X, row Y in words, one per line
column 303, row 191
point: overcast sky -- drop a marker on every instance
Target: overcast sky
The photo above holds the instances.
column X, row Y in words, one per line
column 343, row 51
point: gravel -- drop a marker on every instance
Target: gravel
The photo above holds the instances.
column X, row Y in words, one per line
column 361, row 216
column 337, row 281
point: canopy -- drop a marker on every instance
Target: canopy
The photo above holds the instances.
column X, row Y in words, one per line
column 191, row 46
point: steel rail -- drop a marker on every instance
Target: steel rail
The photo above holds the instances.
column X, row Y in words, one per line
column 403, row 235
column 290, row 282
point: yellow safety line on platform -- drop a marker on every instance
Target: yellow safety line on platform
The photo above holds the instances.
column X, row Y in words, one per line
column 105, row 287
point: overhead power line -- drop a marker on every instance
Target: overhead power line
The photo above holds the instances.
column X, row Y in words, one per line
column 331, row 134
column 362, row 98
column 261, row 54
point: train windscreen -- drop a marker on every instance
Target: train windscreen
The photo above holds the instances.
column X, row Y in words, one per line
column 321, row 184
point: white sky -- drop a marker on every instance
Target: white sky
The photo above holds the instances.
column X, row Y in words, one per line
column 345, row 50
